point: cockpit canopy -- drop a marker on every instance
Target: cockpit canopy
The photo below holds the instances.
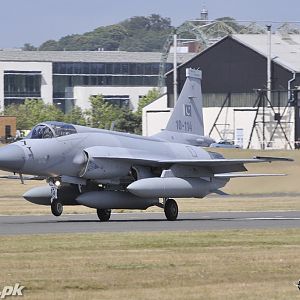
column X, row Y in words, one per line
column 48, row 130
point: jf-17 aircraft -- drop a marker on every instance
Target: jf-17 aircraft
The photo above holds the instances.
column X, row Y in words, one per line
column 109, row 170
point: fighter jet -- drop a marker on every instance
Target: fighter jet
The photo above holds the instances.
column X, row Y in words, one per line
column 109, row 170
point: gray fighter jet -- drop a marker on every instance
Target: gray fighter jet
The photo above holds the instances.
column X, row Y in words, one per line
column 111, row 170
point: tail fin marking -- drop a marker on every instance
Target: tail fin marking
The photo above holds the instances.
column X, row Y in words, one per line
column 187, row 116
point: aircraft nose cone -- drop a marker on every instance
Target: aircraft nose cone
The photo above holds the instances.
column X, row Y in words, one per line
column 12, row 158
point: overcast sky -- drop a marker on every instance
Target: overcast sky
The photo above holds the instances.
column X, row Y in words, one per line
column 35, row 21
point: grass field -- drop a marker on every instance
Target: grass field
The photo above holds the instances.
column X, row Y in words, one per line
column 258, row 264
column 232, row 264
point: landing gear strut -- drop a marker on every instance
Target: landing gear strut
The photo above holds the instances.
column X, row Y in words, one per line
column 104, row 214
column 171, row 209
column 56, row 207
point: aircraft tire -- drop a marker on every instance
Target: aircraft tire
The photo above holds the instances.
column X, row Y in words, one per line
column 104, row 214
column 171, row 210
column 56, row 208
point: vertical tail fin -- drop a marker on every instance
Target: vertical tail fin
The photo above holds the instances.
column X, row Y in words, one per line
column 187, row 116
column 185, row 125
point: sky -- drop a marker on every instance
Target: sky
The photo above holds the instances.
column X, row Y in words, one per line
column 35, row 21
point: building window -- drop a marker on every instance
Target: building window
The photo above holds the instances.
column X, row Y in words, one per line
column 148, row 69
column 21, row 84
column 139, row 69
column 109, row 68
column 118, row 100
column 86, row 68
column 132, row 69
column 70, row 68
column 117, row 68
column 78, row 68
column 13, row 101
column 97, row 68
column 124, row 69
column 69, row 74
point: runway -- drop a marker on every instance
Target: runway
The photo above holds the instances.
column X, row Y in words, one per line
column 139, row 222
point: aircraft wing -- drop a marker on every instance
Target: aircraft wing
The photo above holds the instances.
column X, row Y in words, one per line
column 224, row 161
column 17, row 177
column 222, row 165
column 239, row 175
column 136, row 155
column 217, row 166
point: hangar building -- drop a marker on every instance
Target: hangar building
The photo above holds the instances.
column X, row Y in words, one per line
column 234, row 69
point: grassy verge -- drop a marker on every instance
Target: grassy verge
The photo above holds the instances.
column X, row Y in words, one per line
column 259, row 264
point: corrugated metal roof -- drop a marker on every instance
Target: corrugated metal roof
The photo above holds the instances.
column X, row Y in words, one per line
column 285, row 49
column 90, row 56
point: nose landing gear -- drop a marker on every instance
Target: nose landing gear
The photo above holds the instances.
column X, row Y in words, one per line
column 56, row 205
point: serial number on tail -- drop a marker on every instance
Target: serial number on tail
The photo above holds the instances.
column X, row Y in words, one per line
column 184, row 126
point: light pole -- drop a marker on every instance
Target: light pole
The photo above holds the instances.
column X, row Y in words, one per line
column 269, row 60
column 175, row 67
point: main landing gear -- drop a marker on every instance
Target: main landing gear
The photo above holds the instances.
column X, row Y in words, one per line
column 104, row 214
column 171, row 209
column 56, row 207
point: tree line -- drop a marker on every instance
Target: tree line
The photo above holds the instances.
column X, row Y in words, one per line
column 101, row 114
column 138, row 33
column 134, row 34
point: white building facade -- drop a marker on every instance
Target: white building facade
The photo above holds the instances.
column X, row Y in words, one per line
column 68, row 78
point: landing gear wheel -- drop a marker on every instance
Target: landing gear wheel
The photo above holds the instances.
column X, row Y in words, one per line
column 104, row 214
column 56, row 208
column 171, row 210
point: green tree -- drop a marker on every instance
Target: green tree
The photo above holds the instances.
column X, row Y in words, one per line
column 108, row 38
column 129, row 122
column 132, row 121
column 149, row 98
column 38, row 111
column 146, row 33
column 135, row 34
column 50, row 45
column 28, row 47
column 153, row 22
column 33, row 111
column 75, row 116
column 19, row 111
column 105, row 115
column 102, row 114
